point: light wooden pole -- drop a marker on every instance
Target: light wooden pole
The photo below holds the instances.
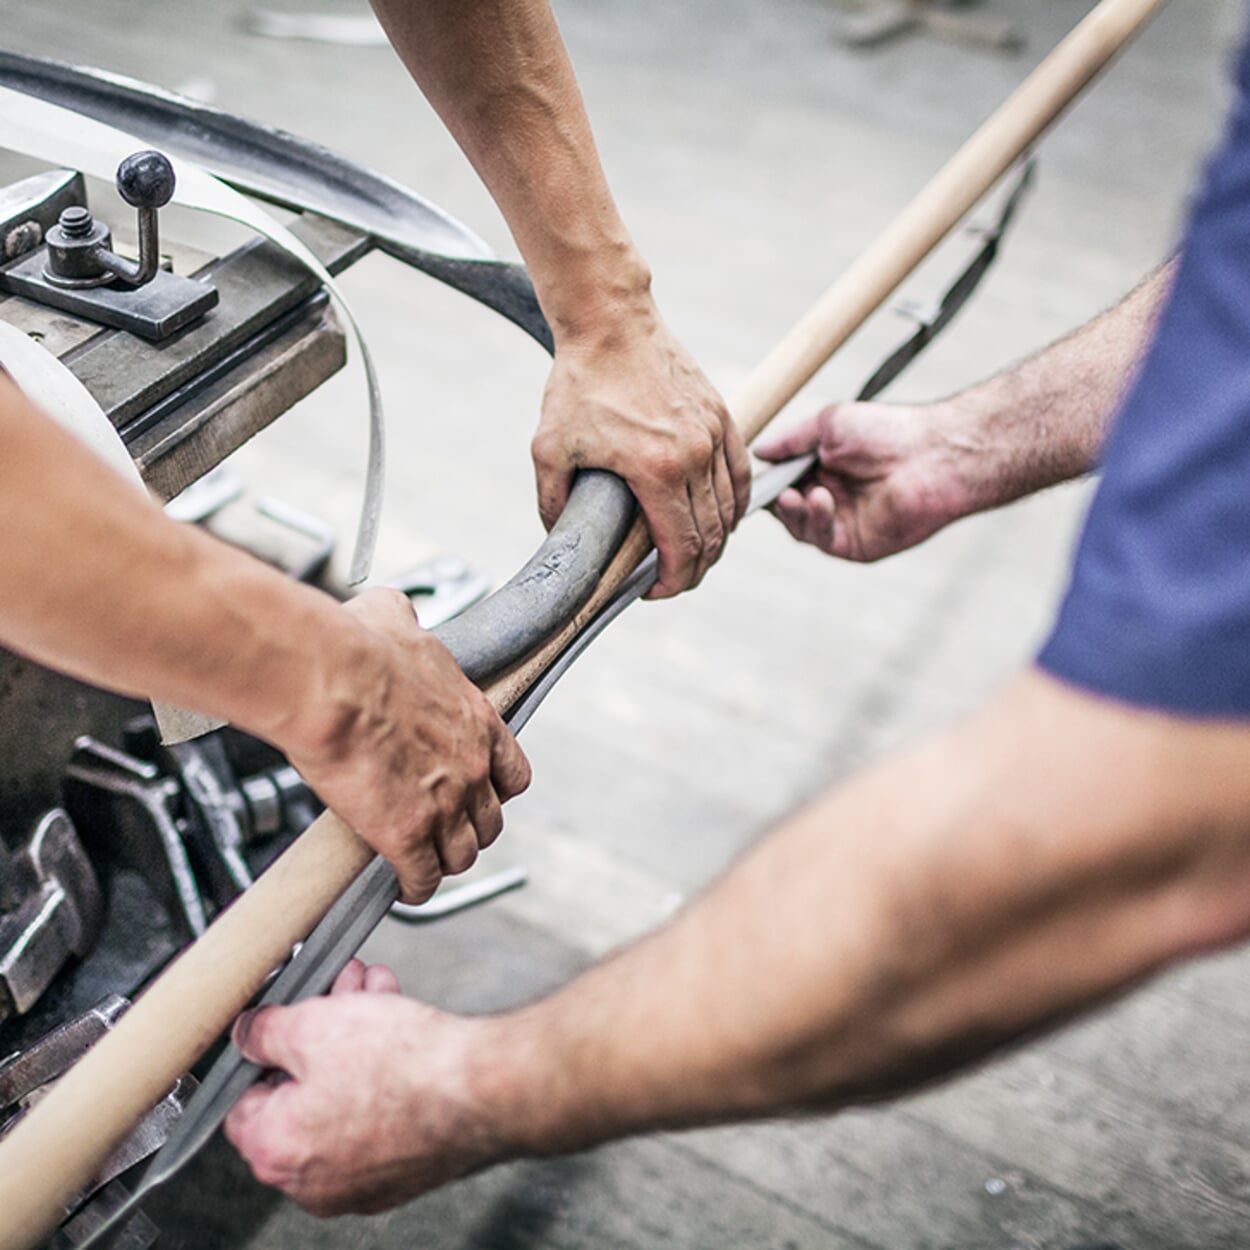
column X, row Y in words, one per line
column 54, row 1152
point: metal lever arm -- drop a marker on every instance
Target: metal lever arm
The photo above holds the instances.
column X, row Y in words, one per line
column 80, row 248
column 146, row 182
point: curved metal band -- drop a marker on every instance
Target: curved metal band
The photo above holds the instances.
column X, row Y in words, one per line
column 294, row 173
column 551, row 586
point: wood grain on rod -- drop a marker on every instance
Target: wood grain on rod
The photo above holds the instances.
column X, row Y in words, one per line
column 58, row 1147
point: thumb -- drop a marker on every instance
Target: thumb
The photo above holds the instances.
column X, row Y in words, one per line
column 799, row 441
column 553, row 492
column 266, row 1037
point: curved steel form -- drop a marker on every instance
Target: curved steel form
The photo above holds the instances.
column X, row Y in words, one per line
column 294, row 173
column 552, row 585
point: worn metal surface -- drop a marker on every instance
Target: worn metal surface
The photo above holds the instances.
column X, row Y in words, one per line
column 53, row 1055
column 551, row 585
column 257, row 284
column 157, row 310
column 184, row 440
column 55, row 911
column 32, row 207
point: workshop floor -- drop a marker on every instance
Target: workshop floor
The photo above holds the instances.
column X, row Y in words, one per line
column 754, row 156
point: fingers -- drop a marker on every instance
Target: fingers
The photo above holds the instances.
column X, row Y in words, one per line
column 379, row 979
column 458, row 846
column 553, row 477
column 267, row 1037
column 738, row 461
column 810, row 517
column 241, row 1124
column 351, row 980
column 419, row 870
column 820, row 519
column 706, row 508
column 509, row 769
column 361, row 978
column 726, row 498
column 676, row 538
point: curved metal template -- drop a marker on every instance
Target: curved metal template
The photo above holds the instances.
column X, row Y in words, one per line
column 295, row 173
column 551, row 586
column 292, row 172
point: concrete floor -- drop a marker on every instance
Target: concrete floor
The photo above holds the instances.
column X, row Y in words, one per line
column 754, row 158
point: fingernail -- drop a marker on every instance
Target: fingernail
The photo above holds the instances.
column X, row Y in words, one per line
column 242, row 1027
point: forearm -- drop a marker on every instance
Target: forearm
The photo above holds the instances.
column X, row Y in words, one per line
column 498, row 75
column 115, row 593
column 991, row 882
column 1043, row 421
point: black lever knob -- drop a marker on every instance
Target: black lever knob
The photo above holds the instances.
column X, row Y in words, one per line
column 80, row 248
column 146, row 180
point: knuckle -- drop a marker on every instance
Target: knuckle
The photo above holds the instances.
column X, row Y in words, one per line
column 419, row 886
column 492, row 825
column 548, row 452
column 268, row 1163
column 668, row 468
column 688, row 545
column 460, row 855
column 521, row 778
column 702, row 444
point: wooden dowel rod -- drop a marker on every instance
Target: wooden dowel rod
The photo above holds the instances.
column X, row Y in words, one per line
column 949, row 196
column 57, row 1148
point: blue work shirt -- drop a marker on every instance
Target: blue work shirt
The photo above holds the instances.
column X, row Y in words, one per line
column 1157, row 612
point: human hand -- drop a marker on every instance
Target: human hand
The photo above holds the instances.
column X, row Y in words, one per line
column 378, row 1106
column 886, row 478
column 633, row 401
column 411, row 754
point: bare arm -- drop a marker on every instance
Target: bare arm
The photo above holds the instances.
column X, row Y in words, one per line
column 99, row 583
column 623, row 394
column 891, row 476
column 1043, row 854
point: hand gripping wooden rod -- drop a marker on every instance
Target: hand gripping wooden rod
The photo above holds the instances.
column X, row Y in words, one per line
column 57, row 1148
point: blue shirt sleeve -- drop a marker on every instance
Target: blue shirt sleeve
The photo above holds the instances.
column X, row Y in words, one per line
column 1157, row 612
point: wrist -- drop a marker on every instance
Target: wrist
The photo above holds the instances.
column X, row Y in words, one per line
column 508, row 1086
column 318, row 713
column 537, row 1088
column 598, row 296
column 1015, row 437
column 964, row 454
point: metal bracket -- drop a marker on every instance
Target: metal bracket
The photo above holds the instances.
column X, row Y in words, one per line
column 25, row 1078
column 75, row 268
column 57, row 917
column 30, row 208
column 154, row 311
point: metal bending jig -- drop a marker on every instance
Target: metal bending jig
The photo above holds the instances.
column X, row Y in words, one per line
column 499, row 630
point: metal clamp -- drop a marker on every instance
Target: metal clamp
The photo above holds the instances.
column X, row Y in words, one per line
column 80, row 248
column 55, row 914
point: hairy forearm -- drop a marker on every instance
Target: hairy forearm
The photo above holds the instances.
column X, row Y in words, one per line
column 1043, row 421
column 1039, row 857
column 115, row 593
column 498, row 75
